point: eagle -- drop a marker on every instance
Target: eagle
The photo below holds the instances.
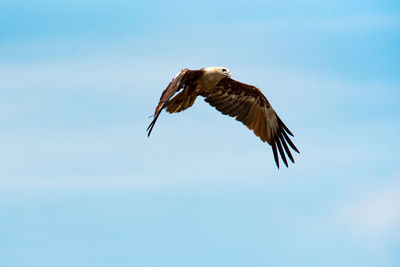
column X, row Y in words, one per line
column 243, row 101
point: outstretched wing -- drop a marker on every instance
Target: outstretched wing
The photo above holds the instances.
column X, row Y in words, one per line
column 247, row 104
column 177, row 83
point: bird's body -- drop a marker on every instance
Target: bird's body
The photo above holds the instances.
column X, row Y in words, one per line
column 233, row 98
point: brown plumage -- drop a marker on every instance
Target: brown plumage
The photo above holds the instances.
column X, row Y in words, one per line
column 244, row 102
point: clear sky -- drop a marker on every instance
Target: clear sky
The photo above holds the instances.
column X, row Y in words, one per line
column 82, row 185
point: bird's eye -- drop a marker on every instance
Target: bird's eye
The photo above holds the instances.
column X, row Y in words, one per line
column 223, row 70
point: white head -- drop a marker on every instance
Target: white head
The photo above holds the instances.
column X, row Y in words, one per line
column 220, row 70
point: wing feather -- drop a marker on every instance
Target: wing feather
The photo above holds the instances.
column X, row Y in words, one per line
column 247, row 104
column 244, row 111
column 286, row 148
column 181, row 80
column 290, row 142
column 233, row 108
column 275, row 154
column 281, row 151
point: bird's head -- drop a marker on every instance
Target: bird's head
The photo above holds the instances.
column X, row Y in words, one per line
column 225, row 71
column 220, row 70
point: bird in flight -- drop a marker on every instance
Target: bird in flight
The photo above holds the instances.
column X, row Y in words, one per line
column 243, row 101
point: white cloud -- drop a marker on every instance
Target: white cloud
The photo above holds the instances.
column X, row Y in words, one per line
column 352, row 23
column 375, row 215
column 332, row 23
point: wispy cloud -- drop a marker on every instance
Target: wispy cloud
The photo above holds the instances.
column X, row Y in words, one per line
column 340, row 23
column 374, row 215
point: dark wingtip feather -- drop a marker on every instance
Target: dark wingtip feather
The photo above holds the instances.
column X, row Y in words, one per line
column 284, row 126
column 275, row 154
column 286, row 148
column 151, row 126
column 290, row 142
column 281, row 152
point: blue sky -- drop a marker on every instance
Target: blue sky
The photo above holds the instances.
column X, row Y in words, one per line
column 81, row 184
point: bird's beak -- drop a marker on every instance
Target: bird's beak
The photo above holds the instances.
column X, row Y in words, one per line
column 229, row 74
